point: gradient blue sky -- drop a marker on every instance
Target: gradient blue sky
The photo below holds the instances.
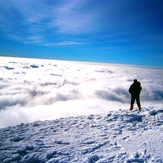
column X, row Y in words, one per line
column 113, row 31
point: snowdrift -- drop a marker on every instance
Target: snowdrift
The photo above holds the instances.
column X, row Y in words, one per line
column 118, row 136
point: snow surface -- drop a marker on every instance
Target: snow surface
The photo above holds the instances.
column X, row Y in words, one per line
column 115, row 137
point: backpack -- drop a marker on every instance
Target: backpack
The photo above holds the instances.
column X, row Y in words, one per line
column 135, row 88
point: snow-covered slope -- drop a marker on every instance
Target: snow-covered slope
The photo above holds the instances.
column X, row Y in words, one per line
column 121, row 136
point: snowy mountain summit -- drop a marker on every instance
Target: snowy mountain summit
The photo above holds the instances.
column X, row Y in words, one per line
column 118, row 136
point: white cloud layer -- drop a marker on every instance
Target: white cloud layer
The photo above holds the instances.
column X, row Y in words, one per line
column 32, row 90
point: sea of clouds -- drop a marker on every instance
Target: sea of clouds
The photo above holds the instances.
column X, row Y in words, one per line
column 32, row 90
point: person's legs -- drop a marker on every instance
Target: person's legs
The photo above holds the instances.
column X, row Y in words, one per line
column 132, row 102
column 131, row 106
column 138, row 101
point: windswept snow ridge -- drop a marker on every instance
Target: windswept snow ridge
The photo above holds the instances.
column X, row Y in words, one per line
column 120, row 136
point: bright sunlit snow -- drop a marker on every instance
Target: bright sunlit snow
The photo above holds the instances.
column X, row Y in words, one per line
column 113, row 137
column 34, row 90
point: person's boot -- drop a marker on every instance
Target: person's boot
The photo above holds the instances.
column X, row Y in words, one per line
column 139, row 106
column 131, row 106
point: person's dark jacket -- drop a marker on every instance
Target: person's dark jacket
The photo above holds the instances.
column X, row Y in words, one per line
column 135, row 88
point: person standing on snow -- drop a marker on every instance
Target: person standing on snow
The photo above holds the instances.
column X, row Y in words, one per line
column 135, row 90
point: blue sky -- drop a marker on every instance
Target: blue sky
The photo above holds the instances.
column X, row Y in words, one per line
column 113, row 31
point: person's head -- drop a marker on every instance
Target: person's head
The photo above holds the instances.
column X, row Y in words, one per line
column 135, row 80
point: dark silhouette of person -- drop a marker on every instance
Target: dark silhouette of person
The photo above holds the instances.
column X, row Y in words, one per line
column 135, row 90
